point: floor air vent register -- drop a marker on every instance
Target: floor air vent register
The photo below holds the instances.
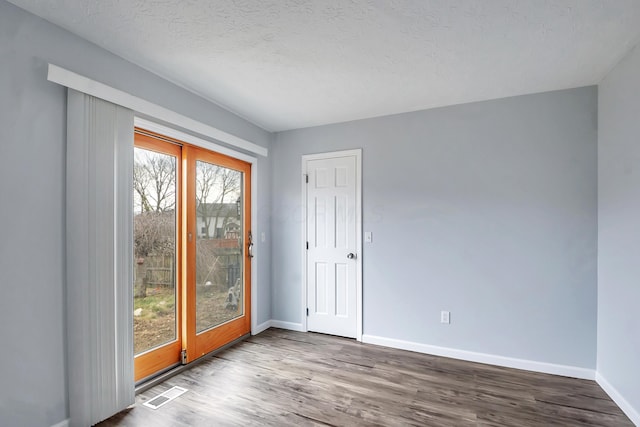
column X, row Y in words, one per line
column 166, row 397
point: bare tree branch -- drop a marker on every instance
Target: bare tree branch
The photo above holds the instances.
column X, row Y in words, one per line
column 154, row 181
column 215, row 185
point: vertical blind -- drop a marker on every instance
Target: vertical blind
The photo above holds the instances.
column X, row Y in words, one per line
column 99, row 258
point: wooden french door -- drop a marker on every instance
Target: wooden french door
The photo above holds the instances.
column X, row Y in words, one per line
column 157, row 224
column 192, row 249
column 218, row 242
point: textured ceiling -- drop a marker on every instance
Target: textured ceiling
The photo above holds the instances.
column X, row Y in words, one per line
column 297, row 63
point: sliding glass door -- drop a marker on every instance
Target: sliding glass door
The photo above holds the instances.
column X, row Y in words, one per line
column 219, row 211
column 157, row 287
column 191, row 252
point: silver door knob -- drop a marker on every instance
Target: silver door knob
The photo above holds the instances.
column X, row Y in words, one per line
column 351, row 256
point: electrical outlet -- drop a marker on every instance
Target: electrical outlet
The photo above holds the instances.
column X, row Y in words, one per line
column 445, row 317
column 263, row 237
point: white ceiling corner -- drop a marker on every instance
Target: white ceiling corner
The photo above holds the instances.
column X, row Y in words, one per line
column 297, row 63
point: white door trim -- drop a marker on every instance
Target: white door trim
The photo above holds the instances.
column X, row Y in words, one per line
column 319, row 156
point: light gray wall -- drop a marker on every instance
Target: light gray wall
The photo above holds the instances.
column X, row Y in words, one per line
column 487, row 210
column 619, row 228
column 32, row 201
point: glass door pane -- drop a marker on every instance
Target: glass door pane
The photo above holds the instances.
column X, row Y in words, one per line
column 219, row 247
column 155, row 255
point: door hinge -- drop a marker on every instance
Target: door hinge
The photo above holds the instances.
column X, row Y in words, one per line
column 307, row 245
column 183, row 357
column 307, row 311
column 306, row 178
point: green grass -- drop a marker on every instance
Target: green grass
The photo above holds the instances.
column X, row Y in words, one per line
column 158, row 302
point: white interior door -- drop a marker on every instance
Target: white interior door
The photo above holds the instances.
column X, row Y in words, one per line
column 333, row 260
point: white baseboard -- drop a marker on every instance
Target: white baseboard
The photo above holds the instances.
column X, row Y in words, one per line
column 261, row 327
column 509, row 362
column 63, row 423
column 287, row 325
column 626, row 407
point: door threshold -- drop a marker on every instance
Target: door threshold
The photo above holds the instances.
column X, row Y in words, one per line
column 162, row 376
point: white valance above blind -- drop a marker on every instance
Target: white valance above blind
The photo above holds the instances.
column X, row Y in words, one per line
column 141, row 106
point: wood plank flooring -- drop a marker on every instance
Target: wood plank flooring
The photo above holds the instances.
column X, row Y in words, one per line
column 282, row 378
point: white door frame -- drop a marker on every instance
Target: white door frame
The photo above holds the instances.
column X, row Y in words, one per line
column 320, row 156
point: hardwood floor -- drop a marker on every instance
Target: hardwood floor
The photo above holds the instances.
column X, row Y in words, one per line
column 283, row 378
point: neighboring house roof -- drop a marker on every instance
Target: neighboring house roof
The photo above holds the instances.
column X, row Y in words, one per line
column 217, row 209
